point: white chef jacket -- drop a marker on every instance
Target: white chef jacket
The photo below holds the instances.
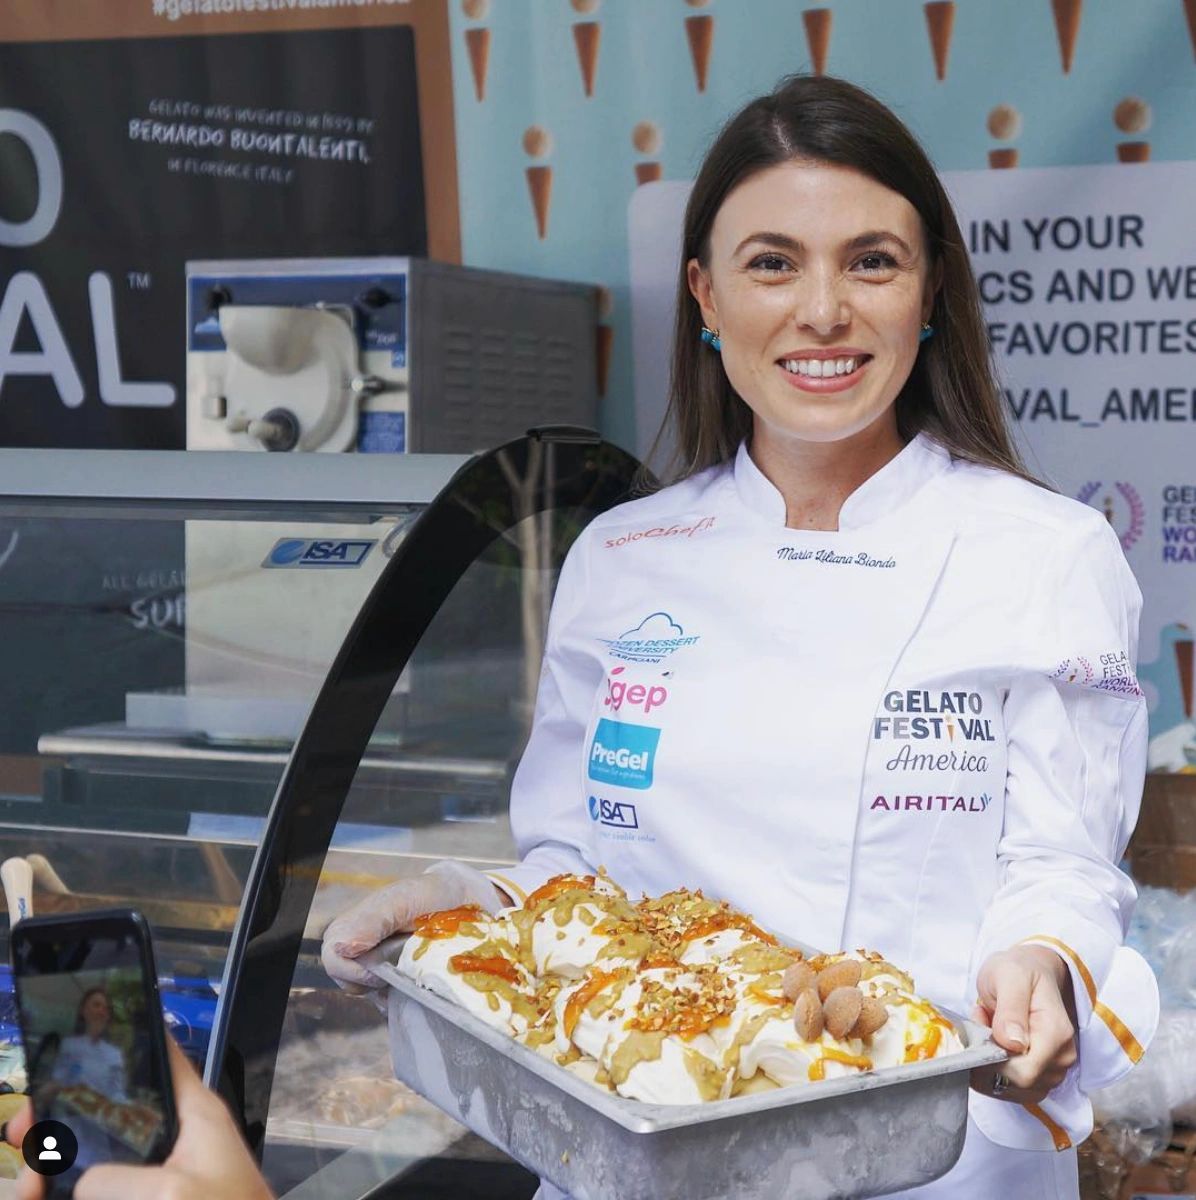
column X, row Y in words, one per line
column 920, row 734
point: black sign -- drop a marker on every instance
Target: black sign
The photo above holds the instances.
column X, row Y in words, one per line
column 120, row 161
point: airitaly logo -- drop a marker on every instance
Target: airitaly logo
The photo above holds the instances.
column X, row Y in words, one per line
column 622, row 754
column 617, row 814
column 929, row 804
column 1122, row 506
column 644, row 697
column 651, row 641
column 311, row 552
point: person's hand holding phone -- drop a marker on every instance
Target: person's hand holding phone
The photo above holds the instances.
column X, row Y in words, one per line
column 209, row 1157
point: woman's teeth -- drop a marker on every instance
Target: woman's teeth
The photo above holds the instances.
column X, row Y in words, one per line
column 819, row 368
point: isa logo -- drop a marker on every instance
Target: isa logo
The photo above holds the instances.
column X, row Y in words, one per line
column 619, row 814
column 623, row 754
column 314, row 552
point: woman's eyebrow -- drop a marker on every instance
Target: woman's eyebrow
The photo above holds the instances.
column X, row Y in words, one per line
column 862, row 241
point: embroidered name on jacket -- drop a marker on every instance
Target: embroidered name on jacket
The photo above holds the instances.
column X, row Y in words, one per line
column 795, row 554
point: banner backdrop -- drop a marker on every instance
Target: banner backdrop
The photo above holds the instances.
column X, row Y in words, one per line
column 560, row 140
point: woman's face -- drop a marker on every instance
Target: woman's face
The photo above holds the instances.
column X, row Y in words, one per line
column 818, row 282
column 96, row 1013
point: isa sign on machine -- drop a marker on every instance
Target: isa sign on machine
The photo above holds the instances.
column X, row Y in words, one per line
column 318, row 552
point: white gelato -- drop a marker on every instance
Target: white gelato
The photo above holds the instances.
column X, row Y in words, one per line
column 624, row 997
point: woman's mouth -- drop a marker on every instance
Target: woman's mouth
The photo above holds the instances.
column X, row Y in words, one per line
column 824, row 374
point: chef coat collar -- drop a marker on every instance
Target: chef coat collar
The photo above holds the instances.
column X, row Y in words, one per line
column 878, row 496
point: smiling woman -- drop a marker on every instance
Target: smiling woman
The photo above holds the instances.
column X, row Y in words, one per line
column 820, row 244
column 825, row 674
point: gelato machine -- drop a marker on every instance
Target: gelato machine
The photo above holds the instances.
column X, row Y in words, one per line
column 240, row 833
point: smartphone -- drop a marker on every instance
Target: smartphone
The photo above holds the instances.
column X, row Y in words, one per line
column 94, row 1038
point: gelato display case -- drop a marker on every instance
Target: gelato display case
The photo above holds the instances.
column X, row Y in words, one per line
column 240, row 693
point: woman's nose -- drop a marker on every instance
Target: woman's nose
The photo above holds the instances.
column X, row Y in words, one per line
column 820, row 306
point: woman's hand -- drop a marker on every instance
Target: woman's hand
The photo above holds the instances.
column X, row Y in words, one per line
column 209, row 1158
column 1025, row 995
column 393, row 909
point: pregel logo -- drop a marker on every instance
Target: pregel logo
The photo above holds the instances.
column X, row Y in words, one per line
column 623, row 754
column 644, row 697
column 660, row 531
column 309, row 552
column 617, row 814
column 651, row 641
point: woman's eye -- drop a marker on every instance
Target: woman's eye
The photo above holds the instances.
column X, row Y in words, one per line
column 768, row 262
column 876, row 262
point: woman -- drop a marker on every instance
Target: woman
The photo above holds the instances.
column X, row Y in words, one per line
column 886, row 679
column 88, row 1057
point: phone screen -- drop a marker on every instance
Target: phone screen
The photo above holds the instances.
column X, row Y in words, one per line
column 93, row 1035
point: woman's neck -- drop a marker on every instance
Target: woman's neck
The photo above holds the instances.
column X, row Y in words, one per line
column 815, row 478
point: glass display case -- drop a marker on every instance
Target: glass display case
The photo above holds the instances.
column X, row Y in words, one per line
column 241, row 691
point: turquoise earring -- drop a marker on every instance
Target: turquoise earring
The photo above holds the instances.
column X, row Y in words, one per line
column 711, row 338
column 927, row 332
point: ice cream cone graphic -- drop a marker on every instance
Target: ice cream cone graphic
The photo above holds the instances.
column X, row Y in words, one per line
column 647, row 139
column 1133, row 115
column 818, row 36
column 477, row 41
column 537, row 143
column 940, row 22
column 1004, row 123
column 1067, row 26
column 606, row 338
column 700, row 32
column 1190, row 13
column 586, row 36
column 1185, row 650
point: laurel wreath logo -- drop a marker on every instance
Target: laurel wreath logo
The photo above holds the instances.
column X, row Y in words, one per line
column 1133, row 501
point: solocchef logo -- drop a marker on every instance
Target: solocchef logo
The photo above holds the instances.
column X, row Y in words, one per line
column 619, row 814
column 623, row 755
column 660, row 531
column 651, row 641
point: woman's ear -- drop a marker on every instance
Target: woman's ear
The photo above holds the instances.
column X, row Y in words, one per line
column 698, row 279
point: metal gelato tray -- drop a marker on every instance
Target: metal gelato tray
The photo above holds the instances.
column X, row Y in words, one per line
column 864, row 1135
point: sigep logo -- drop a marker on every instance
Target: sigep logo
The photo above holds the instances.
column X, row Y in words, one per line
column 312, row 552
column 651, row 641
column 619, row 814
column 623, row 754
column 636, row 695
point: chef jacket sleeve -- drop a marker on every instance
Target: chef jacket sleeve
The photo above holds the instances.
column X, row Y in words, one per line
column 1076, row 730
column 548, row 816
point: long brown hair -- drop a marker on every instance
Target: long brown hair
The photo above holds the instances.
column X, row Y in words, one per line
column 952, row 393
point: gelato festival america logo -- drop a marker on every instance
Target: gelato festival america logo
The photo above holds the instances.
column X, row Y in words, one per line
column 622, row 754
column 931, row 804
column 651, row 641
column 919, row 715
column 618, row 814
column 641, row 696
column 1122, row 506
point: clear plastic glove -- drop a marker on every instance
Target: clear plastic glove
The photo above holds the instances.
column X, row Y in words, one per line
column 393, row 909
